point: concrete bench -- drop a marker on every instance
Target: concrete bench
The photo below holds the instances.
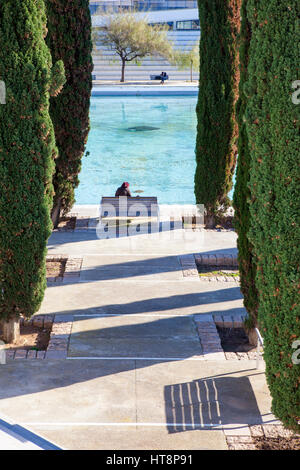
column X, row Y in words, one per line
column 118, row 207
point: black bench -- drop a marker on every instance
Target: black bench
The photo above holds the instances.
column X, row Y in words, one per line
column 159, row 77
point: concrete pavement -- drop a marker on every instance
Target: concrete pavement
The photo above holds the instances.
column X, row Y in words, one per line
column 127, row 404
column 16, row 437
column 134, row 376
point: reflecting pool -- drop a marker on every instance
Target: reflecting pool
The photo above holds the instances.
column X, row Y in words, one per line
column 147, row 141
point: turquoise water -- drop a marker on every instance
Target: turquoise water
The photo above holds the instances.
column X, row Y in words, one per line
column 158, row 162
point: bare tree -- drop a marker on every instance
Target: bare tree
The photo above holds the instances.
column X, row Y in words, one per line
column 131, row 37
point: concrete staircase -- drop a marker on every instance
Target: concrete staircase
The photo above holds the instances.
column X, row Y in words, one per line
column 107, row 65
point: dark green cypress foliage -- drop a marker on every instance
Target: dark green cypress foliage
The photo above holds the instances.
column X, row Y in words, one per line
column 273, row 131
column 218, row 89
column 241, row 197
column 69, row 39
column 27, row 152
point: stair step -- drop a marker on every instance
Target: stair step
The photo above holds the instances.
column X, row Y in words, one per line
column 107, row 65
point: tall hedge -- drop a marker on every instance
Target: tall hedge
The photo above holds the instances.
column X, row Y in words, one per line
column 69, row 39
column 241, row 198
column 27, row 153
column 273, row 130
column 218, row 91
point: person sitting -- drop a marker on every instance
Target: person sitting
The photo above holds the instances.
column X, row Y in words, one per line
column 163, row 76
column 123, row 190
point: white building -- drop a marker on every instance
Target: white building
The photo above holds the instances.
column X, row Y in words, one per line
column 184, row 32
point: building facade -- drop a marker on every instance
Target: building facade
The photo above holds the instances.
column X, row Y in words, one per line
column 181, row 18
column 141, row 5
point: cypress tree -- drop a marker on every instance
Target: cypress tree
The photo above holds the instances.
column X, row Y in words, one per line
column 218, row 90
column 27, row 152
column 247, row 266
column 272, row 121
column 69, row 39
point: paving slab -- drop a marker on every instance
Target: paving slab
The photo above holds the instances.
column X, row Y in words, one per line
column 116, row 260
column 68, row 391
column 202, row 394
column 156, row 244
column 131, row 296
column 12, row 442
column 16, row 437
column 113, row 404
column 134, row 336
column 135, row 268
column 105, row 437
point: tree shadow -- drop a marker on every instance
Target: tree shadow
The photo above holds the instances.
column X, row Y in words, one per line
column 109, row 231
column 167, row 303
column 136, row 268
column 102, row 366
column 137, row 337
column 163, row 340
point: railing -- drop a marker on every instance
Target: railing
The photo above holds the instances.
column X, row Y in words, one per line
column 165, row 4
column 260, row 344
column 141, row 5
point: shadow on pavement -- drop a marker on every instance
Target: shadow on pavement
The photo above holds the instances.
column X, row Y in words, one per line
column 23, row 436
column 210, row 402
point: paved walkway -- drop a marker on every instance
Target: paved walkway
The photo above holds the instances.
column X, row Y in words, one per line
column 144, row 88
column 153, row 83
column 135, row 376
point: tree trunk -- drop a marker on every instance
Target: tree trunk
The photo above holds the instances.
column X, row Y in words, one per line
column 11, row 330
column 55, row 215
column 210, row 221
column 123, row 71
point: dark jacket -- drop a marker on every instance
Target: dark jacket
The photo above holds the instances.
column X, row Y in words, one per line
column 123, row 191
